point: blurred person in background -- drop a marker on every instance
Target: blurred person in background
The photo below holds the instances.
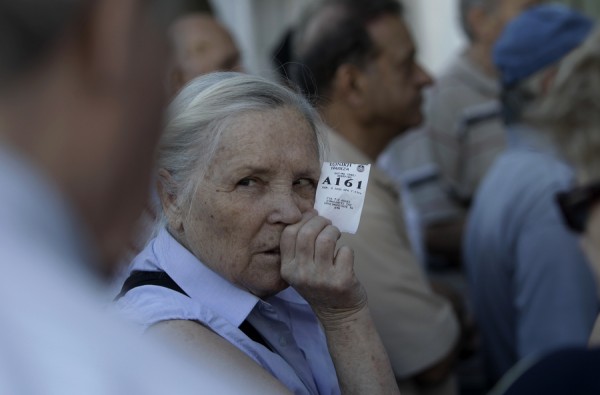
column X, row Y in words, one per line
column 201, row 44
column 570, row 113
column 241, row 261
column 462, row 134
column 530, row 284
column 357, row 62
column 80, row 111
column 468, row 82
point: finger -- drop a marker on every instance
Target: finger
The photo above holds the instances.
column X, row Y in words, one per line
column 287, row 243
column 344, row 268
column 325, row 246
column 344, row 259
column 307, row 237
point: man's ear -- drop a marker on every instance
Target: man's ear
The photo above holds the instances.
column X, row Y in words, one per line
column 349, row 85
column 168, row 200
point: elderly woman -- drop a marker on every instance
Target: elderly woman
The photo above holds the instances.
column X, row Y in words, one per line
column 570, row 112
column 241, row 261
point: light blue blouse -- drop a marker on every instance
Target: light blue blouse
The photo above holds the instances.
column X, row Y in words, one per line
column 301, row 362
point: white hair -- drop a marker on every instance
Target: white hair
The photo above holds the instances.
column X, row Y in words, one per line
column 201, row 112
column 571, row 109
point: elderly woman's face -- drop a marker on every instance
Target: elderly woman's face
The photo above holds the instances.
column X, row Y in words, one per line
column 262, row 178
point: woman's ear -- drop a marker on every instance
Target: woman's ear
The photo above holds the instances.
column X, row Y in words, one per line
column 168, row 200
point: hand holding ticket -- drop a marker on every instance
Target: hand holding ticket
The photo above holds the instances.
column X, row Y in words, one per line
column 341, row 193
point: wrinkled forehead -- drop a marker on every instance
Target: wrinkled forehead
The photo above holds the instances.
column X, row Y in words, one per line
column 269, row 135
column 284, row 126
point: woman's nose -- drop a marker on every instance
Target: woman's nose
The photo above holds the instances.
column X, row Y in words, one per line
column 286, row 208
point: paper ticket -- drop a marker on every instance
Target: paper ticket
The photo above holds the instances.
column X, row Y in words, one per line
column 341, row 193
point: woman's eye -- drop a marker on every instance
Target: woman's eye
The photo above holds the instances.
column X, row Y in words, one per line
column 246, row 182
column 304, row 182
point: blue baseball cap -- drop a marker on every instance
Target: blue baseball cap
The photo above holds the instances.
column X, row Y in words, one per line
column 537, row 38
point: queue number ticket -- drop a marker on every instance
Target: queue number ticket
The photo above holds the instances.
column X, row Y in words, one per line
column 341, row 193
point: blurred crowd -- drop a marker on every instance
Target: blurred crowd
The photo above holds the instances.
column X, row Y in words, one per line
column 157, row 229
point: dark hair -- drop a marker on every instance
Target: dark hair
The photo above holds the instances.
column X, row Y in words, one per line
column 341, row 39
column 199, row 6
column 29, row 28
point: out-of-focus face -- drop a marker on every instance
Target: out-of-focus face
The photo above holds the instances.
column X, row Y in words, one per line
column 262, row 178
column 396, row 80
column 495, row 20
column 131, row 131
column 202, row 45
column 591, row 240
column 511, row 8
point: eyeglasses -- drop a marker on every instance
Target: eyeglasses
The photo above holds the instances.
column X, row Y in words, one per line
column 576, row 205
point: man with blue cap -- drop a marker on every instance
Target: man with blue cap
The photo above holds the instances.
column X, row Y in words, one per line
column 531, row 287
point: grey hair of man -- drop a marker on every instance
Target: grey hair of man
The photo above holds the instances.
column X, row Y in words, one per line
column 204, row 110
column 570, row 110
column 465, row 6
column 331, row 33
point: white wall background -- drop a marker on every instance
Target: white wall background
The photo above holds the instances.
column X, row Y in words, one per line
column 258, row 25
column 436, row 28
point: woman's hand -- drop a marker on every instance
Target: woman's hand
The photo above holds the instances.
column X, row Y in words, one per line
column 326, row 279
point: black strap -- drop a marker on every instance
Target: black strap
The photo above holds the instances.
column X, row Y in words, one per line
column 138, row 278
column 253, row 334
